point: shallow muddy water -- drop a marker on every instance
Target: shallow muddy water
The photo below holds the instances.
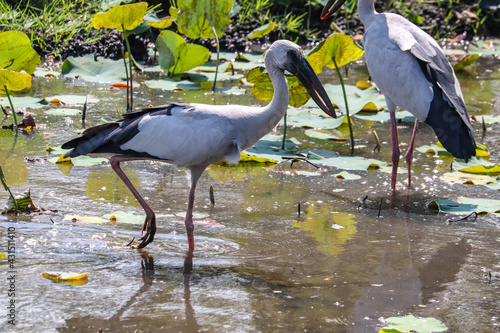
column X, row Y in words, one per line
column 342, row 265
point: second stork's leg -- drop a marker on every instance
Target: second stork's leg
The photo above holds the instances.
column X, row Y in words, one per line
column 188, row 221
column 150, row 221
column 409, row 152
column 396, row 153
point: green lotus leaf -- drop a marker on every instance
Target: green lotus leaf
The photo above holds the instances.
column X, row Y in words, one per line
column 119, row 17
column 192, row 20
column 262, row 30
column 25, row 102
column 16, row 53
column 88, row 69
column 351, row 162
column 14, row 81
column 410, row 323
column 177, row 56
column 339, row 47
column 169, row 84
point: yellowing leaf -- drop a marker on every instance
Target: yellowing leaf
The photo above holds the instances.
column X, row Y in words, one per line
column 262, row 30
column 467, row 178
column 161, row 24
column 363, row 84
column 263, row 87
column 483, row 169
column 16, row 53
column 339, row 47
column 64, row 160
column 119, row 17
column 14, row 81
column 85, row 219
column 64, row 275
column 251, row 158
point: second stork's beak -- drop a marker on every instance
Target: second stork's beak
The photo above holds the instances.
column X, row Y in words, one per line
column 304, row 72
column 334, row 5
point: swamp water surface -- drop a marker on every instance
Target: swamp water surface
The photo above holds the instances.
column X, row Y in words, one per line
column 342, row 265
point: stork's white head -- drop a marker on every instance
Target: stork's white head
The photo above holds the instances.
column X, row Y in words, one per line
column 285, row 55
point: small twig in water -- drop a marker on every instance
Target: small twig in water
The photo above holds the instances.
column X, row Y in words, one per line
column 296, row 158
column 377, row 142
column 4, row 112
column 484, row 125
column 380, row 207
column 463, row 219
column 298, row 210
column 84, row 112
column 212, row 196
column 363, row 204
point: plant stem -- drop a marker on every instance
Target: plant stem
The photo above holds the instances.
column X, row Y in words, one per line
column 217, row 43
column 126, row 74
column 125, row 37
column 11, row 107
column 284, row 132
column 346, row 104
column 6, row 187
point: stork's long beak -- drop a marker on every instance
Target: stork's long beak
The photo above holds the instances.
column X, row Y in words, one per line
column 334, row 5
column 304, row 72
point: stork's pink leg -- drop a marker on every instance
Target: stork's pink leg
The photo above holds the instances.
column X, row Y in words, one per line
column 396, row 153
column 409, row 152
column 189, row 217
column 150, row 221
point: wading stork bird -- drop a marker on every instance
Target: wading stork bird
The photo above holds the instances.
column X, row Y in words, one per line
column 413, row 73
column 196, row 135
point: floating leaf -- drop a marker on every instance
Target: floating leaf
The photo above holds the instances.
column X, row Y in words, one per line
column 244, row 157
column 88, row 69
column 64, row 275
column 410, row 323
column 465, row 205
column 351, row 162
column 262, row 30
column 339, row 47
column 119, row 17
column 25, row 102
column 155, row 22
column 311, row 118
column 14, row 81
column 125, row 217
column 193, row 23
column 346, row 175
column 74, row 100
column 323, row 135
column 363, row 84
column 85, row 219
column 16, row 53
column 177, row 56
column 467, row 178
column 269, row 147
column 169, row 84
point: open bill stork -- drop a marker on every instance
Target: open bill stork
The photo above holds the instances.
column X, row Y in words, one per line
column 196, row 135
column 413, row 73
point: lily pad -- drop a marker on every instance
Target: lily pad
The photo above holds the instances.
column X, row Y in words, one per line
column 465, row 205
column 74, row 100
column 311, row 118
column 25, row 102
column 88, row 69
column 467, row 178
column 352, row 163
column 269, row 147
column 358, row 99
column 125, row 217
column 63, row 112
column 347, row 176
column 85, row 219
column 384, row 116
column 322, row 135
column 169, row 84
column 410, row 323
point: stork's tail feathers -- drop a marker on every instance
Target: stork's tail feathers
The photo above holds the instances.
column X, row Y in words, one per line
column 454, row 132
column 90, row 141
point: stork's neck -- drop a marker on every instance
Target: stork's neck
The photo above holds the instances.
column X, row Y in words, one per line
column 366, row 12
column 271, row 114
